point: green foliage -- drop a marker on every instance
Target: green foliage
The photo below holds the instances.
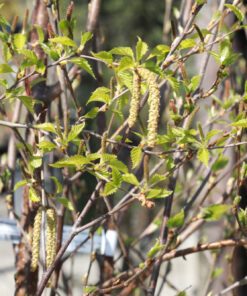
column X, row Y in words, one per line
column 213, row 212
column 155, row 249
column 176, row 220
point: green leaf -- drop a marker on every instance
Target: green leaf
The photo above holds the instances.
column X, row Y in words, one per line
column 116, row 177
column 20, row 184
column 110, row 188
column 203, row 155
column 47, row 145
column 173, row 82
column 89, row 289
column 158, row 193
column 239, row 14
column 159, row 50
column 176, row 220
column 19, row 40
column 107, row 157
column 40, row 33
column 157, row 178
column 75, row 131
column 213, row 212
column 58, row 184
column 125, row 63
column 33, row 195
column 71, row 161
column 141, row 49
column 85, row 38
column 83, row 63
column 239, row 123
column 28, row 103
column 136, row 156
column 47, row 127
column 216, row 272
column 30, row 54
column 36, row 161
column 187, row 43
column 104, row 56
column 67, row 203
column 64, row 40
column 220, row 163
column 195, row 82
column 115, row 163
column 5, row 68
column 101, row 94
column 211, row 134
column 131, row 178
column 216, row 57
column 126, row 51
column 224, row 50
column 155, row 249
column 92, row 113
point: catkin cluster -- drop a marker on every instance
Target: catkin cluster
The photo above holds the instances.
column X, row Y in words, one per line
column 154, row 104
column 36, row 240
column 51, row 221
column 135, row 100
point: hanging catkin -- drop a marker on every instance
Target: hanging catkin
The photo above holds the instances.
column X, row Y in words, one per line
column 51, row 222
column 135, row 100
column 36, row 240
column 154, row 104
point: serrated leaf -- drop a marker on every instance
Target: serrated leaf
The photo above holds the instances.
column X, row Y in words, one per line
column 116, row 177
column 239, row 123
column 125, row 63
column 126, row 51
column 28, row 103
column 216, row 57
column 125, row 79
column 239, row 14
column 89, row 289
column 30, row 54
column 47, row 127
column 224, row 50
column 33, row 195
column 83, row 63
column 70, row 161
column 67, row 203
column 173, row 82
column 19, row 40
column 176, row 220
column 136, row 156
column 157, row 178
column 211, row 134
column 5, row 68
column 93, row 156
column 203, row 155
column 195, row 82
column 86, row 37
column 141, row 49
column 187, row 43
column 64, row 40
column 20, row 184
column 92, row 113
column 155, row 249
column 40, row 33
column 213, row 212
column 58, row 184
column 160, row 49
column 75, row 131
column 101, row 94
column 115, row 163
column 220, row 163
column 110, row 188
column 107, row 157
column 104, row 56
column 130, row 178
column 47, row 145
column 35, row 161
column 158, row 193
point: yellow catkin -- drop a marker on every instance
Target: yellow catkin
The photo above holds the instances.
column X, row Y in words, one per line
column 154, row 104
column 36, row 240
column 135, row 100
column 51, row 223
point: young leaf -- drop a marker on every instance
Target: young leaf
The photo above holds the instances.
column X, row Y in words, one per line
column 203, row 155
column 64, row 40
column 126, row 51
column 157, row 178
column 33, row 195
column 20, row 184
column 101, row 94
column 173, row 82
column 36, row 161
column 19, row 40
column 187, row 43
column 141, row 49
column 40, row 33
column 125, row 63
column 67, row 203
column 58, row 184
column 70, row 161
column 239, row 14
column 5, row 68
column 211, row 134
column 75, row 131
column 28, row 103
column 116, row 177
column 136, row 155
column 176, row 220
column 104, row 56
column 115, row 163
column 30, row 54
column 47, row 145
column 89, row 289
column 83, row 63
column 92, row 113
column 110, row 188
column 130, row 178
column 239, row 123
column 155, row 249
column 85, row 38
column 213, row 212
column 47, row 127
